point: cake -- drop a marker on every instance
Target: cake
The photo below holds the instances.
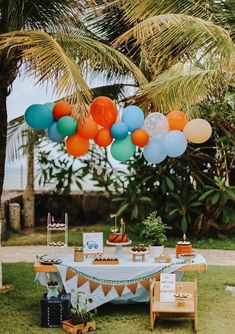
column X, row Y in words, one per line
column 183, row 247
column 118, row 238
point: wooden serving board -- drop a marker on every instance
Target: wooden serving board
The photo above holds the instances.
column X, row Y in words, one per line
column 105, row 262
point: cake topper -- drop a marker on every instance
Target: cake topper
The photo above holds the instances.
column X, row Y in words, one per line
column 114, row 228
column 123, row 226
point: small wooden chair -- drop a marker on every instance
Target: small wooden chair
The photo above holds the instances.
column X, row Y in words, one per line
column 189, row 310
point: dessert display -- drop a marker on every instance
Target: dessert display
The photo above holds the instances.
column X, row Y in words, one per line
column 139, row 249
column 56, row 244
column 183, row 247
column 49, row 260
column 104, row 260
column 56, row 225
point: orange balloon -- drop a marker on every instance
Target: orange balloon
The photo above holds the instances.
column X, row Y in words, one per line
column 103, row 110
column 103, row 138
column 140, row 137
column 177, row 120
column 77, row 145
column 61, row 109
column 87, row 128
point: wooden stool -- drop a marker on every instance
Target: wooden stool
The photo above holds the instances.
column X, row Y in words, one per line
column 188, row 309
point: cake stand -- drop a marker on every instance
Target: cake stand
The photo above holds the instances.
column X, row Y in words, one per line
column 119, row 245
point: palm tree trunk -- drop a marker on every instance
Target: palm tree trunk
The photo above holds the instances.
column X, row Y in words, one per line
column 28, row 196
column 3, row 133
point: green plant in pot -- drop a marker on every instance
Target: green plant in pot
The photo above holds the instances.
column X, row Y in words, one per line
column 81, row 320
column 155, row 232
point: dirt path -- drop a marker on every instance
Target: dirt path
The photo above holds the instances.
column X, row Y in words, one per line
column 11, row 254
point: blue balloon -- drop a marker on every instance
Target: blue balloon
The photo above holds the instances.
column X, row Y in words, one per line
column 133, row 116
column 38, row 116
column 53, row 133
column 174, row 143
column 153, row 151
column 119, row 130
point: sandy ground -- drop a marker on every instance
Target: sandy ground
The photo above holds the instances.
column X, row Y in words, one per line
column 11, row 254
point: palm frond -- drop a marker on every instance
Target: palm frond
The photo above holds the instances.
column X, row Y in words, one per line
column 16, row 138
column 47, row 61
column 180, row 87
column 173, row 37
column 92, row 55
column 136, row 11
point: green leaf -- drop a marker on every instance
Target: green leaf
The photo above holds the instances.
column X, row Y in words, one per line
column 135, row 212
column 173, row 212
column 215, row 198
column 184, row 224
column 196, row 204
column 206, row 194
column 119, row 199
column 170, row 184
column 122, row 209
column 145, row 199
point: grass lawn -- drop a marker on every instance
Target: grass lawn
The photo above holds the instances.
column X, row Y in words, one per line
column 20, row 309
column 75, row 238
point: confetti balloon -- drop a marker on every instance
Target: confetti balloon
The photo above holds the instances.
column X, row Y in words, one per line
column 156, row 124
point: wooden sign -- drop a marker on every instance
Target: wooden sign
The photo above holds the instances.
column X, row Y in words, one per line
column 93, row 243
column 167, row 288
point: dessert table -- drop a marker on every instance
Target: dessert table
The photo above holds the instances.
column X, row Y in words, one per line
column 127, row 281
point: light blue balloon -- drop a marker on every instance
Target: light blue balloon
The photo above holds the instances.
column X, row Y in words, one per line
column 38, row 116
column 133, row 116
column 119, row 130
column 123, row 150
column 53, row 133
column 50, row 105
column 174, row 143
column 153, row 151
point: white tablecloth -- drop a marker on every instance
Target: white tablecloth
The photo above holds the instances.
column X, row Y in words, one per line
column 126, row 273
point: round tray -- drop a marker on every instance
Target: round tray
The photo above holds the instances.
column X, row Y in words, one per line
column 44, row 260
column 118, row 243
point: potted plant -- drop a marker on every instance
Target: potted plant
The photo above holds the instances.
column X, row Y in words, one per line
column 78, row 254
column 80, row 319
column 155, row 232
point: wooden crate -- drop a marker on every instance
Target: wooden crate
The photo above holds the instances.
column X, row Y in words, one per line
column 78, row 329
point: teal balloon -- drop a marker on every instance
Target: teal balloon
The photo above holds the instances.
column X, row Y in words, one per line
column 50, row 105
column 53, row 133
column 119, row 130
column 174, row 143
column 67, row 125
column 153, row 152
column 122, row 150
column 38, row 116
column 133, row 116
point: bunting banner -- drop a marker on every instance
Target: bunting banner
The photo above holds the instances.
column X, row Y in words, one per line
column 81, row 280
column 145, row 283
column 106, row 288
column 93, row 286
column 119, row 289
column 70, row 274
column 133, row 287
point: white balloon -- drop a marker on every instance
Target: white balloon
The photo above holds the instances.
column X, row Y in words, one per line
column 156, row 124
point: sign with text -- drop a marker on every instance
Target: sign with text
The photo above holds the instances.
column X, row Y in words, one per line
column 167, row 288
column 93, row 243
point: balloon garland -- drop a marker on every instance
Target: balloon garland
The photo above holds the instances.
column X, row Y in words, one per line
column 159, row 135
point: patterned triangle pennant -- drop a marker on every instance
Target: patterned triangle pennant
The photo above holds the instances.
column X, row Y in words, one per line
column 119, row 289
column 93, row 285
column 132, row 287
column 106, row 288
column 81, row 280
column 70, row 274
column 145, row 283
